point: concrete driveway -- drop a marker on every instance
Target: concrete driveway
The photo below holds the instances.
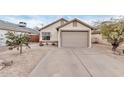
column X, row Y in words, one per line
column 89, row 62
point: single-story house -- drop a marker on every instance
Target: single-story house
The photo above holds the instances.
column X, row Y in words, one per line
column 15, row 28
column 74, row 33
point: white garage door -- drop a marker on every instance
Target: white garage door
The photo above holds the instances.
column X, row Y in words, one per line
column 74, row 39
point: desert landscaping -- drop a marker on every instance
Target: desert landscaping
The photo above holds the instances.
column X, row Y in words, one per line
column 22, row 64
column 28, row 61
column 107, row 49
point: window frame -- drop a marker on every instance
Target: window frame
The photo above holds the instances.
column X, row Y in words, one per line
column 46, row 35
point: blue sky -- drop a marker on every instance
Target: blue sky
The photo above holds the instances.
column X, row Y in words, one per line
column 37, row 20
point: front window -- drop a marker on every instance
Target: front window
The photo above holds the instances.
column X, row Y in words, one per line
column 45, row 35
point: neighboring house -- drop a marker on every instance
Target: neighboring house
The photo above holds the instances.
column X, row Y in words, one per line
column 74, row 33
column 15, row 28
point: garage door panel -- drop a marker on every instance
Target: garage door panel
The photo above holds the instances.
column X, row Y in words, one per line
column 74, row 39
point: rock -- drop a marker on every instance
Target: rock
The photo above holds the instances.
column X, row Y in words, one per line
column 7, row 63
column 3, row 64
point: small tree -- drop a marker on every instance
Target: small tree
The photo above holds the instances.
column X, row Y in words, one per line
column 113, row 31
column 17, row 41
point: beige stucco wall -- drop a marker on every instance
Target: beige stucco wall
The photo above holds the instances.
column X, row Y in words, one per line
column 52, row 29
column 79, row 27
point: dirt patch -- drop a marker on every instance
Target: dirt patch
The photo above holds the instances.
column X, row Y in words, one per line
column 107, row 50
column 25, row 63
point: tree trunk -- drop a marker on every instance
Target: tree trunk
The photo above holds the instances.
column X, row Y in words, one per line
column 115, row 45
column 114, row 49
column 20, row 49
